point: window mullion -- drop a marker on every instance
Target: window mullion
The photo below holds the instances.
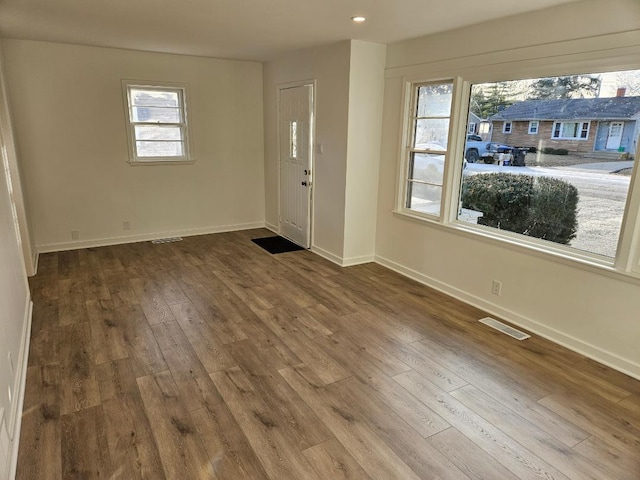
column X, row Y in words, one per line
column 456, row 149
column 425, row 182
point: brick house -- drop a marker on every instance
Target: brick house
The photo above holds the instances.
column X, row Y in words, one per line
column 579, row 125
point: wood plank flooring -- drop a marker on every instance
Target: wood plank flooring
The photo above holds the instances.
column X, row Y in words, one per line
column 212, row 359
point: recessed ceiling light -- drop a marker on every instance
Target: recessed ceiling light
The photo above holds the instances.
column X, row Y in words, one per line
column 358, row 19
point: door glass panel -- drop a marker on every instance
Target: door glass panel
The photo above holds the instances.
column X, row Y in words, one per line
column 293, row 139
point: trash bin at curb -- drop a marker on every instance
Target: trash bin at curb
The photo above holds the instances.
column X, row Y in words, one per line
column 518, row 157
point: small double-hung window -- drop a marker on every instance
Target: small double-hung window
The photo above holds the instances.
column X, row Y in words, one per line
column 157, row 122
column 428, row 146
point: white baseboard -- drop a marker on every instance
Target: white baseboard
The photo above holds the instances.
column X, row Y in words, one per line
column 349, row 262
column 15, row 416
column 103, row 242
column 343, row 262
column 328, row 255
column 588, row 350
column 272, row 227
column 34, row 263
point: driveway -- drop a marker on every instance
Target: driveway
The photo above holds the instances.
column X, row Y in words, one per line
column 602, row 199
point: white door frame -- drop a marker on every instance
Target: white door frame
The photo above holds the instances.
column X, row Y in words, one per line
column 312, row 136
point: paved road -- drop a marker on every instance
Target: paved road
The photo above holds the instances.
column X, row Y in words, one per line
column 600, row 206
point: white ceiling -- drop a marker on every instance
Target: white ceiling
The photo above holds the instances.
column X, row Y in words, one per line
column 242, row 29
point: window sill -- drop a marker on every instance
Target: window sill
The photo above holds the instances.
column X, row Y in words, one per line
column 161, row 162
column 588, row 262
column 422, row 217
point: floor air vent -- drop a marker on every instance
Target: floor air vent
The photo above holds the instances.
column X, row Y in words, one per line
column 166, row 240
column 498, row 325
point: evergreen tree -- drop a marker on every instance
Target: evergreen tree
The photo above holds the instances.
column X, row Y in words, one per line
column 561, row 88
column 487, row 100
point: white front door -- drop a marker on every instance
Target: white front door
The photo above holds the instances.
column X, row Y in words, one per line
column 295, row 117
column 615, row 135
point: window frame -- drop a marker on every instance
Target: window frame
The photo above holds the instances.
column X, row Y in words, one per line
column 579, row 131
column 624, row 266
column 182, row 91
column 504, row 127
column 406, row 149
column 537, row 127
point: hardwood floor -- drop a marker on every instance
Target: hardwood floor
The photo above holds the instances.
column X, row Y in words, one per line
column 210, row 358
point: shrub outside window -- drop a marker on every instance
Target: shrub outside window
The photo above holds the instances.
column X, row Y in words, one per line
column 157, row 122
column 427, row 149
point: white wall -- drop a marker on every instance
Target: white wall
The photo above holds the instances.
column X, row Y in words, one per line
column 69, row 122
column 14, row 299
column 366, row 88
column 580, row 20
column 329, row 66
column 591, row 312
column 349, row 79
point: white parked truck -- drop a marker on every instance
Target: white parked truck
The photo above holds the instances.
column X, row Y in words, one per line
column 477, row 149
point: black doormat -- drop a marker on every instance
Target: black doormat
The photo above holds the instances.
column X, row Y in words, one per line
column 276, row 244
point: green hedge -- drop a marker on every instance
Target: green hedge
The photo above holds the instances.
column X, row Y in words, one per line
column 541, row 207
column 555, row 151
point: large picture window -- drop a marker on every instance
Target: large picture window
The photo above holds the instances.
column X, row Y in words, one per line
column 565, row 183
column 427, row 147
column 571, row 130
column 157, row 122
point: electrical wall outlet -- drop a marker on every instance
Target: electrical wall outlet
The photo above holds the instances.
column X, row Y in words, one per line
column 496, row 287
column 126, row 225
column 75, row 235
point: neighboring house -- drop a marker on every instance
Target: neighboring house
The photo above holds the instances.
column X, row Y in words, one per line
column 479, row 126
column 474, row 124
column 579, row 125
